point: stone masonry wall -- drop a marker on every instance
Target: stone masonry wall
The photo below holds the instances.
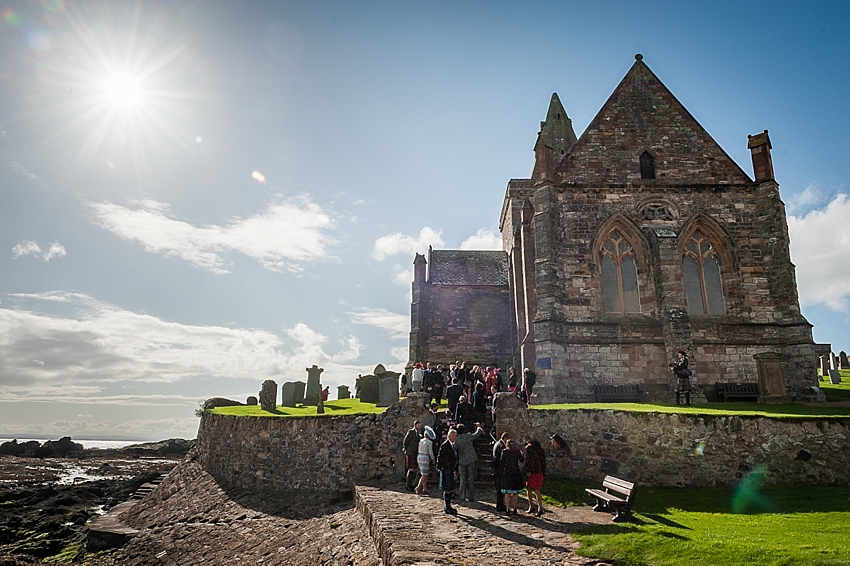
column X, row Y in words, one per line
column 327, row 454
column 321, row 454
column 685, row 451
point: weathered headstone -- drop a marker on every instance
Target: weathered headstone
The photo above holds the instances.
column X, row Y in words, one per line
column 771, row 378
column 288, row 394
column 251, row 400
column 843, row 363
column 387, row 391
column 314, row 388
column 298, row 396
column 833, row 361
column 268, row 396
column 834, row 377
column 320, row 406
column 369, row 389
column 343, row 392
column 824, row 366
column 379, row 370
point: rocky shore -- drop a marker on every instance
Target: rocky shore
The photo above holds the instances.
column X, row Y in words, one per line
column 50, row 490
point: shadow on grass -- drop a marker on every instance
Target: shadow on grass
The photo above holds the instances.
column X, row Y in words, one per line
column 667, row 522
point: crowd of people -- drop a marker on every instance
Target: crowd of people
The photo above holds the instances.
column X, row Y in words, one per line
column 477, row 385
column 455, row 462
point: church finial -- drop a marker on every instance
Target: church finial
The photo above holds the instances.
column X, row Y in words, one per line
column 638, row 57
column 554, row 140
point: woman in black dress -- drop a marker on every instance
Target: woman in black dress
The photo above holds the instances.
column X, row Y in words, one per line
column 511, row 477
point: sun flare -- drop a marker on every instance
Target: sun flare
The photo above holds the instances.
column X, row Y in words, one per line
column 123, row 90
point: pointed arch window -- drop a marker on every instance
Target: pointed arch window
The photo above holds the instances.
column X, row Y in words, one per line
column 619, row 275
column 701, row 268
column 647, row 165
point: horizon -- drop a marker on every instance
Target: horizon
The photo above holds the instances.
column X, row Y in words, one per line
column 201, row 196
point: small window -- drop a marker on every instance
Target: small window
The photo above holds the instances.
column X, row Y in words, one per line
column 647, row 166
column 701, row 269
column 620, row 291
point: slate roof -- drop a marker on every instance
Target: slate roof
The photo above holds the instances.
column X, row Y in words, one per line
column 463, row 267
column 642, row 114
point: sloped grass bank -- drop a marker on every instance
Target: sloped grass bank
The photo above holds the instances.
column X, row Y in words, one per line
column 332, row 409
column 721, row 526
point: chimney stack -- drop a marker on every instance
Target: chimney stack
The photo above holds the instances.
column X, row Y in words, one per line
column 759, row 146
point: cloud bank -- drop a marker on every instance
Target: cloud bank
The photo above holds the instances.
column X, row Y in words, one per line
column 397, row 325
column 87, row 352
column 820, row 248
column 484, row 239
column 31, row 248
column 286, row 235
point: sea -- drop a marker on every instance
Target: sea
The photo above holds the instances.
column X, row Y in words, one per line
column 87, row 444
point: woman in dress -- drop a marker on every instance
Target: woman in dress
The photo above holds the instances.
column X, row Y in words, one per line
column 511, row 476
column 425, row 458
column 535, row 467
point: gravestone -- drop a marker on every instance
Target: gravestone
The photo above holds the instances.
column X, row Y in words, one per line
column 320, row 406
column 288, row 394
column 833, row 361
column 379, row 370
column 314, row 388
column 251, row 400
column 387, row 391
column 824, row 366
column 369, row 389
column 268, row 396
column 298, row 395
column 834, row 377
column 343, row 392
column 843, row 363
column 771, row 378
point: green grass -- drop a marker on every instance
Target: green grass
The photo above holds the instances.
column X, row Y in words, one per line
column 722, row 526
column 332, row 409
column 839, row 392
column 785, row 411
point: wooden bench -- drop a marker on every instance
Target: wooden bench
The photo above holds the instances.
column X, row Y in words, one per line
column 608, row 501
column 742, row 391
column 616, row 393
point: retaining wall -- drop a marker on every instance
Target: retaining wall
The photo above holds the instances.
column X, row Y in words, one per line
column 333, row 453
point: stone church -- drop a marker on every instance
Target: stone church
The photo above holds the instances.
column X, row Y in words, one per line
column 628, row 243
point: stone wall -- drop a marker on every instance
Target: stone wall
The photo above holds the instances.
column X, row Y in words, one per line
column 685, row 451
column 328, row 454
column 321, row 454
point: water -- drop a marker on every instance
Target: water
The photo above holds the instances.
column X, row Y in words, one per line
column 87, row 444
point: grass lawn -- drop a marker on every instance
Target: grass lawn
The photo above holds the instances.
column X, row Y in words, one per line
column 332, row 409
column 787, row 411
column 748, row 525
column 839, row 392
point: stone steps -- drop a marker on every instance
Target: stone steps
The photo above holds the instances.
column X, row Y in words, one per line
column 412, row 530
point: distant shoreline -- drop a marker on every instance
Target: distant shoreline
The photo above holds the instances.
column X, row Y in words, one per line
column 88, row 443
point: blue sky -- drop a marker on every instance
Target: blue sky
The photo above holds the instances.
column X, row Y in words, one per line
column 198, row 196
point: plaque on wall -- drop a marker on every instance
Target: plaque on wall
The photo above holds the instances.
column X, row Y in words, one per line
column 544, row 363
column 664, row 233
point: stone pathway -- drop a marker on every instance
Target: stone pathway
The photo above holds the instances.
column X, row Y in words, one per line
column 415, row 531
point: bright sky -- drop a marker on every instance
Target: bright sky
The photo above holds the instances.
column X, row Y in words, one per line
column 199, row 196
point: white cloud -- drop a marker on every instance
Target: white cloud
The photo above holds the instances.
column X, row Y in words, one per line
column 400, row 353
column 286, row 235
column 55, row 250
column 811, row 196
column 484, row 239
column 820, row 248
column 397, row 325
column 398, row 243
column 27, row 247
column 81, row 357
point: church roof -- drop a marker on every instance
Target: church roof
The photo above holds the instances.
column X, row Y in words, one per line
column 642, row 115
column 464, row 267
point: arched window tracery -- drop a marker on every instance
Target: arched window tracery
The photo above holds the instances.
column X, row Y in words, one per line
column 701, row 270
column 619, row 274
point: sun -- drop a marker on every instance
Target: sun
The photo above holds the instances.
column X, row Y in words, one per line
column 123, row 90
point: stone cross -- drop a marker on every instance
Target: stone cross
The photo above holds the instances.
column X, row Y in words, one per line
column 314, row 388
column 268, row 396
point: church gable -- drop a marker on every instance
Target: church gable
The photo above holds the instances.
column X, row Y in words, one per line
column 643, row 133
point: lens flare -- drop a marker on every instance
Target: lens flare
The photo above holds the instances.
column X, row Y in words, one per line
column 10, row 16
column 123, row 90
column 259, row 177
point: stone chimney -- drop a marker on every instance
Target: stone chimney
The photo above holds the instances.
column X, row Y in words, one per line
column 419, row 264
column 759, row 146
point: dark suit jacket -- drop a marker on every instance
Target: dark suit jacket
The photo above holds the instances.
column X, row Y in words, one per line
column 447, row 457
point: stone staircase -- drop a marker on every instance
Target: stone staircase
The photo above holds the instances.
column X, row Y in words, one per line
column 146, row 488
column 484, row 482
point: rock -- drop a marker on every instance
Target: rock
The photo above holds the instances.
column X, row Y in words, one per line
column 170, row 446
column 62, row 447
